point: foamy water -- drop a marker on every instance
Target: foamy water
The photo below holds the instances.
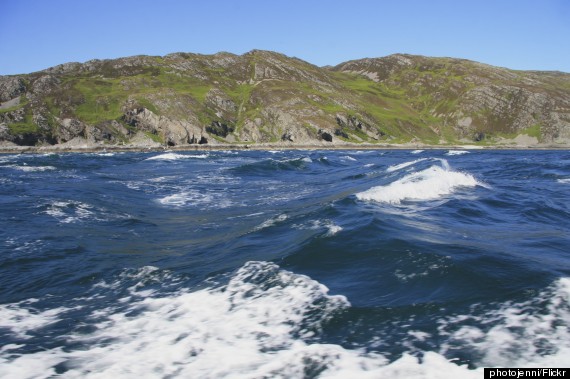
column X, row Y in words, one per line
column 259, row 325
column 428, row 184
column 175, row 156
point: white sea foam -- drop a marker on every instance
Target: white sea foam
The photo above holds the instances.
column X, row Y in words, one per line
column 348, row 158
column 328, row 225
column 174, row 157
column 196, row 198
column 417, row 151
column 256, row 326
column 272, row 221
column 456, row 152
column 521, row 335
column 27, row 168
column 404, row 165
column 70, row 211
column 429, row 184
column 565, row 180
column 20, row 319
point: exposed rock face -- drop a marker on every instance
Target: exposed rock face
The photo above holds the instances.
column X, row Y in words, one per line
column 219, row 129
column 11, row 87
column 266, row 97
column 69, row 129
column 172, row 132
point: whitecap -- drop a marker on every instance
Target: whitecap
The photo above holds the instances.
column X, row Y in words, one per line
column 328, row 225
column 456, row 152
column 174, row 157
column 196, row 198
column 272, row 221
column 70, row 211
column 429, row 184
column 417, row 151
column 565, row 180
column 27, row 168
column 260, row 325
column 348, row 158
column 534, row 333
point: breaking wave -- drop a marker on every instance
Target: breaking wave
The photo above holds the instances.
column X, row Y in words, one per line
column 174, row 157
column 265, row 322
column 429, row 184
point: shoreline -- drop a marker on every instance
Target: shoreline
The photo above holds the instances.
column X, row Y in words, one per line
column 51, row 149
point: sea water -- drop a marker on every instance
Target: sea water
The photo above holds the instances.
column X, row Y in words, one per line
column 284, row 264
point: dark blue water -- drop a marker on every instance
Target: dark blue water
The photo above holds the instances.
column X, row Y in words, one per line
column 284, row 264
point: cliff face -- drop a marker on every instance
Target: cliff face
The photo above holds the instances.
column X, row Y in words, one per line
column 266, row 97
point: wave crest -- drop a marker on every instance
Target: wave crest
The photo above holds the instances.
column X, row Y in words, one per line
column 429, row 184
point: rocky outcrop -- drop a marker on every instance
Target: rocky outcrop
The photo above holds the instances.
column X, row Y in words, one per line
column 171, row 132
column 353, row 123
column 11, row 87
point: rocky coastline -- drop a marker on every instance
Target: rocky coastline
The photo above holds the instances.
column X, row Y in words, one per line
column 266, row 100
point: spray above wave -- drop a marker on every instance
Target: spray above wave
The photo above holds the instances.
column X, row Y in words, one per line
column 429, row 184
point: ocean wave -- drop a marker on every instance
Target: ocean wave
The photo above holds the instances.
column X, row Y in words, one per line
column 271, row 165
column 271, row 222
column 252, row 327
column 532, row 333
column 565, row 180
column 456, row 152
column 265, row 322
column 72, row 211
column 196, row 198
column 404, row 165
column 174, row 157
column 429, row 184
column 327, row 225
column 27, row 168
column 417, row 151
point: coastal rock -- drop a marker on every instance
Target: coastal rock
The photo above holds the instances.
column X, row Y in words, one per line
column 11, row 87
column 172, row 132
column 70, row 129
column 325, row 135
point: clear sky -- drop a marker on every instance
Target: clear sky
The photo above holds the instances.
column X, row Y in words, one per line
column 519, row 34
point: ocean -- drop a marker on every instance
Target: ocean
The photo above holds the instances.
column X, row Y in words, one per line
column 284, row 264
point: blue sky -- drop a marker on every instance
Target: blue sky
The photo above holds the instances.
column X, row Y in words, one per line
column 522, row 34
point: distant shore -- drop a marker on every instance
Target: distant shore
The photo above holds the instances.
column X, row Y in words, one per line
column 96, row 148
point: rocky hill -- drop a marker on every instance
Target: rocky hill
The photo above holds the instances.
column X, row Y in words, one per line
column 266, row 97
